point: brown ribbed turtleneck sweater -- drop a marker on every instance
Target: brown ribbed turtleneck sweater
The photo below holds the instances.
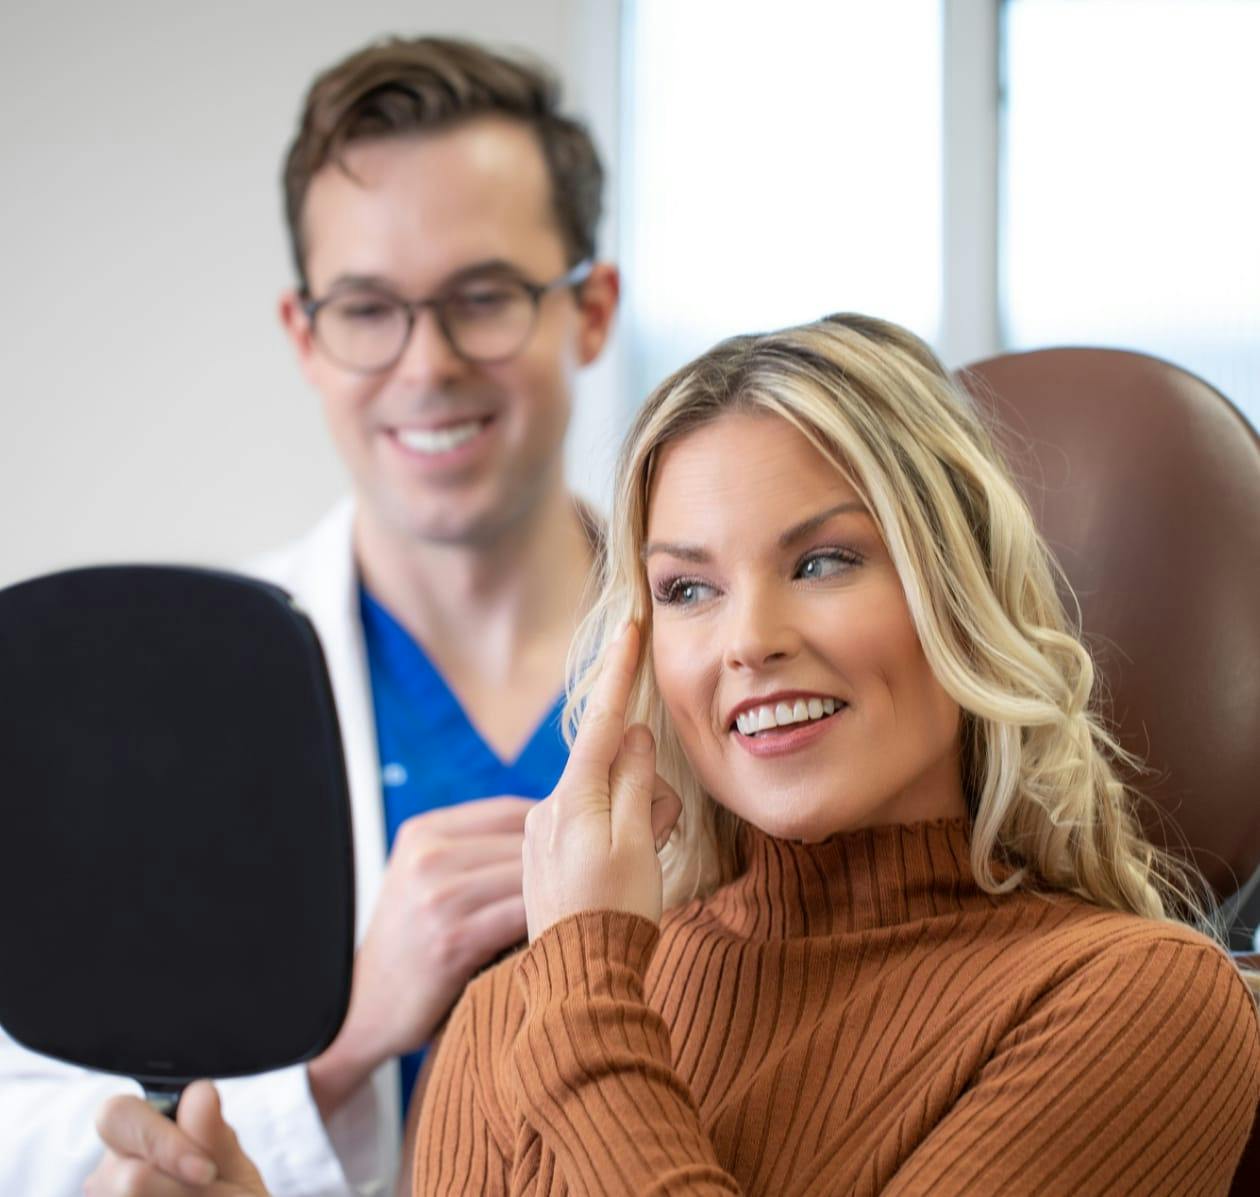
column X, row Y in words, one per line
column 855, row 1016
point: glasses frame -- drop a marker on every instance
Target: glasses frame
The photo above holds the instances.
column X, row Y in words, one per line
column 575, row 276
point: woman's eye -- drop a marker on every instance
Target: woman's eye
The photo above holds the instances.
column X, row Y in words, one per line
column 683, row 592
column 826, row 565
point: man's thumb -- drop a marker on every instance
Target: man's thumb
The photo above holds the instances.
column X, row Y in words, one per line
column 200, row 1117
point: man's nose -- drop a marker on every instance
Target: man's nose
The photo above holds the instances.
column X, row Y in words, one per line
column 428, row 359
column 762, row 630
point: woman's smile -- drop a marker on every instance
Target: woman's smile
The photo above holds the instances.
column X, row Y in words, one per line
column 781, row 723
column 781, row 739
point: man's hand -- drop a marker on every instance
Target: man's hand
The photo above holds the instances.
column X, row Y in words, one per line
column 450, row 902
column 148, row 1155
column 592, row 845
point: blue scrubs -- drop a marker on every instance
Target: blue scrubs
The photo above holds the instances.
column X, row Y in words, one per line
column 431, row 755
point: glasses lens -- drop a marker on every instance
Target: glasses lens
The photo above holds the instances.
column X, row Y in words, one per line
column 488, row 319
column 362, row 329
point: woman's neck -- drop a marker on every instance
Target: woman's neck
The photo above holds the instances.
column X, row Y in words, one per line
column 854, row 881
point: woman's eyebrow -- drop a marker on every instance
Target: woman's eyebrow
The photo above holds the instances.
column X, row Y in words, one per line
column 690, row 552
column 805, row 527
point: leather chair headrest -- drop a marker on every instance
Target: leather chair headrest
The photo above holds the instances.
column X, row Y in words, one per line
column 1146, row 483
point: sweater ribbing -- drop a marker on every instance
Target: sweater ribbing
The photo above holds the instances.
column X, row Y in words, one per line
column 855, row 1016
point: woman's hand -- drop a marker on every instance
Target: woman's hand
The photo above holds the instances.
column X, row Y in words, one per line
column 197, row 1155
column 592, row 845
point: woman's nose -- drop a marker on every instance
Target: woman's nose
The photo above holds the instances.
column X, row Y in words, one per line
column 762, row 631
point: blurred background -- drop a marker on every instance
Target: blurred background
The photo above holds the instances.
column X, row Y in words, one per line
column 996, row 174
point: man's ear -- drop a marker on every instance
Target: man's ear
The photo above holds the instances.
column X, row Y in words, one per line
column 597, row 303
column 297, row 327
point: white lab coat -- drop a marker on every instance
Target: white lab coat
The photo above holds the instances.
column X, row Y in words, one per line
column 48, row 1144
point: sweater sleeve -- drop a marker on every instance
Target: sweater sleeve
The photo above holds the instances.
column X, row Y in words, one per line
column 1139, row 1075
column 591, row 1068
column 459, row 1146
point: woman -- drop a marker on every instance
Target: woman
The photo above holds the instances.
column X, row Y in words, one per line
column 926, row 948
column 831, row 718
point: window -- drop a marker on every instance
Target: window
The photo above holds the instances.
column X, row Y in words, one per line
column 780, row 163
column 1131, row 182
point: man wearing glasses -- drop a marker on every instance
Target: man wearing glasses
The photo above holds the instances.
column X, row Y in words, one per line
column 442, row 216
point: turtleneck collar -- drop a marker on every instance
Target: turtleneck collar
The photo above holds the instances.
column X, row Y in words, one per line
column 854, row 881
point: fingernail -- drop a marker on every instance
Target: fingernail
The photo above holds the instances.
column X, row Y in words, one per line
column 639, row 739
column 196, row 1170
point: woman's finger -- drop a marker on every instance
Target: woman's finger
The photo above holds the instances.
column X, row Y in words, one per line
column 631, row 783
column 603, row 723
column 666, row 811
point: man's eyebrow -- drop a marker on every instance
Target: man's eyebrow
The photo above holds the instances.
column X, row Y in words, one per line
column 490, row 266
column 694, row 553
column 343, row 281
column 487, row 266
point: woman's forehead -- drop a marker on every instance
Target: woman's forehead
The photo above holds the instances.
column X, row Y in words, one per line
column 754, row 470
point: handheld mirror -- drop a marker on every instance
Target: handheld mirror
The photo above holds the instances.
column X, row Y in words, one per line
column 176, row 870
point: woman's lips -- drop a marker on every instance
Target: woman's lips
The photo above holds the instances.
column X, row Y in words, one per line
column 782, row 740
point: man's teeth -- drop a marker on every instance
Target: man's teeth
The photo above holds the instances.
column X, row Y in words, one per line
column 438, row 440
column 780, row 714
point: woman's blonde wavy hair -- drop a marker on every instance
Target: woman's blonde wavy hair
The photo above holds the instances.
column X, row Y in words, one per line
column 1048, row 807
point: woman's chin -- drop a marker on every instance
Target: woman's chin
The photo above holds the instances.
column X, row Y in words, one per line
column 807, row 826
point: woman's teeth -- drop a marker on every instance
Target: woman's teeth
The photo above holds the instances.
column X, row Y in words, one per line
column 780, row 714
column 438, row 440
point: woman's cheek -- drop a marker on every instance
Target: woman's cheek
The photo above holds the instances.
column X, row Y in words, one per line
column 666, row 654
column 679, row 683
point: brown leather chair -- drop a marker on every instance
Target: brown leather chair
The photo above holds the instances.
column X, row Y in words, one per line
column 1146, row 483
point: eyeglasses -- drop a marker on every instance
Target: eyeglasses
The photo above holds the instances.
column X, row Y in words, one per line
column 484, row 318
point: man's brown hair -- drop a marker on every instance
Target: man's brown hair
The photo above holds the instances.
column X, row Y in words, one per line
column 400, row 86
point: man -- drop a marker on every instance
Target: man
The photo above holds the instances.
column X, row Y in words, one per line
column 442, row 216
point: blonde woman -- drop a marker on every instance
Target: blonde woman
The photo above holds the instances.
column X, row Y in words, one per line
column 921, row 945
column 831, row 718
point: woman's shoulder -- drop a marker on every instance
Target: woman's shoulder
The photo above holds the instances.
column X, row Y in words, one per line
column 1076, row 953
column 1155, row 1003
column 1091, row 931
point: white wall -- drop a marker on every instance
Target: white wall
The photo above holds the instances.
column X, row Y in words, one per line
column 150, row 408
